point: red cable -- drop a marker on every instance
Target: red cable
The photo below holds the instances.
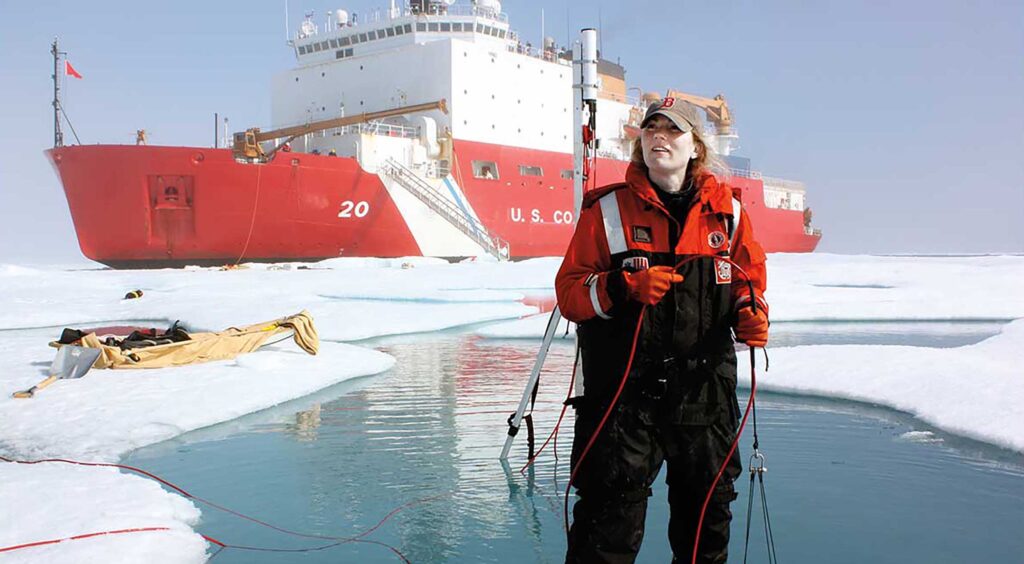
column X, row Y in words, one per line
column 80, row 537
column 554, row 432
column 607, row 412
column 341, row 540
column 735, row 442
column 622, row 385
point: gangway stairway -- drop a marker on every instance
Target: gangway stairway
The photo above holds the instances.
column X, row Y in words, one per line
column 489, row 241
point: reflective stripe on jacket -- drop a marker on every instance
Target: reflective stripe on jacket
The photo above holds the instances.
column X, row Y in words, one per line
column 625, row 226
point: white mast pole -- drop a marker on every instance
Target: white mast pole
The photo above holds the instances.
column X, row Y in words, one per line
column 287, row 39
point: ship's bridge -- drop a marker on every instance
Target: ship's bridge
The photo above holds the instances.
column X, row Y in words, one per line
column 345, row 35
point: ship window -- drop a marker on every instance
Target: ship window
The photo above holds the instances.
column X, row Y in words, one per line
column 362, row 38
column 302, row 49
column 525, row 170
column 501, row 33
column 432, row 26
column 334, row 44
column 479, row 28
column 355, row 39
column 343, row 42
column 408, row 28
column 420, row 26
column 316, row 47
column 566, row 173
column 456, row 27
column 348, row 52
column 494, row 32
column 373, row 35
column 323, row 44
column 446, row 26
column 486, row 170
column 391, row 32
column 340, row 53
column 399, row 30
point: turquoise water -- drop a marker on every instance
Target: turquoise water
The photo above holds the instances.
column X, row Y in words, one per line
column 846, row 484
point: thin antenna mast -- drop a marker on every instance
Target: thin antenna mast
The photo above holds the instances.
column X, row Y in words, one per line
column 58, row 135
column 542, row 38
column 287, row 30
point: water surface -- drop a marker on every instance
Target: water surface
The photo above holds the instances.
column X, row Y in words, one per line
column 847, row 483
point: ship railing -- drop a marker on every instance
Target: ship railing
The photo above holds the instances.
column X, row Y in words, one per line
column 783, row 184
column 378, row 15
column 477, row 11
column 621, row 98
column 376, row 128
column 488, row 240
column 741, row 173
column 770, row 182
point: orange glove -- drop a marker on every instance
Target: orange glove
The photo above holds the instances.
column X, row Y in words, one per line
column 649, row 286
column 752, row 327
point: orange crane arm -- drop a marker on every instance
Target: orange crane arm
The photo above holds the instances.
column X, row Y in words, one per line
column 717, row 109
column 297, row 130
column 247, row 143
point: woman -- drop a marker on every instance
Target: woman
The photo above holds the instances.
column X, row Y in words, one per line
column 678, row 404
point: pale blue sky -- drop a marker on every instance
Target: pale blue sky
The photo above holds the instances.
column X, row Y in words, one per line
column 905, row 119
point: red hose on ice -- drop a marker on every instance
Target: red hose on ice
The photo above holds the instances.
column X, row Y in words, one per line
column 83, row 536
column 339, row 540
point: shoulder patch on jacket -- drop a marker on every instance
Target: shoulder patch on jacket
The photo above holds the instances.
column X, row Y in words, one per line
column 596, row 194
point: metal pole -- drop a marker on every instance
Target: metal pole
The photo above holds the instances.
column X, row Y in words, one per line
column 538, row 364
column 216, row 131
column 577, row 129
column 58, row 135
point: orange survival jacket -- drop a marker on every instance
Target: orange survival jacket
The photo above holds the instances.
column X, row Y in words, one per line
column 642, row 230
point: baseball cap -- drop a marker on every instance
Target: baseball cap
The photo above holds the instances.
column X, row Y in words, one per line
column 683, row 114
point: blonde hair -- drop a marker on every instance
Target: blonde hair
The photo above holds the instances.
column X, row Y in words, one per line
column 706, row 162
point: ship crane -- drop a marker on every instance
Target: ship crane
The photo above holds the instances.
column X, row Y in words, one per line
column 247, row 143
column 716, row 109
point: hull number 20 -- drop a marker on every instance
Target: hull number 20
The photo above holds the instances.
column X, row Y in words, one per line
column 356, row 209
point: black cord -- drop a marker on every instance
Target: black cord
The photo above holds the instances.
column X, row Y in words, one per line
column 750, row 511
column 769, row 537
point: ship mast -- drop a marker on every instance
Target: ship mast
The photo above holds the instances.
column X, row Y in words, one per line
column 584, row 67
column 58, row 135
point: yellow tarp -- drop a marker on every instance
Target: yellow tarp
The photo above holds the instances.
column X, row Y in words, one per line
column 204, row 347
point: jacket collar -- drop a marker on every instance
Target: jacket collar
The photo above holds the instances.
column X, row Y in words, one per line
column 712, row 194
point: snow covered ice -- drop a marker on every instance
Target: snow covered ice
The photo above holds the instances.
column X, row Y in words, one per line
column 109, row 413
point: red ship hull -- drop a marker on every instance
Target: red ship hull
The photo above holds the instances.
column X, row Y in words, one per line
column 146, row 207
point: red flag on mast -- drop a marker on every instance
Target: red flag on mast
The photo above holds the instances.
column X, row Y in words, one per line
column 70, row 70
